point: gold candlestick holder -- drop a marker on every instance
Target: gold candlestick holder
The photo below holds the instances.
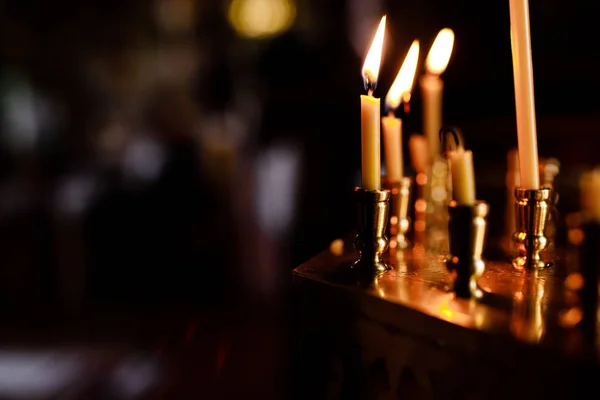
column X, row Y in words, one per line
column 532, row 210
column 399, row 221
column 371, row 241
column 466, row 234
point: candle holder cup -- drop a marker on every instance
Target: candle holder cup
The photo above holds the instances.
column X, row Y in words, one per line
column 398, row 221
column 532, row 210
column 371, row 241
column 466, row 234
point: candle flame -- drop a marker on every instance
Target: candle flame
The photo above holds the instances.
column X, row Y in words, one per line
column 441, row 49
column 402, row 86
column 370, row 70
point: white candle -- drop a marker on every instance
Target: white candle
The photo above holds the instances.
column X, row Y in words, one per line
column 432, row 87
column 392, row 127
column 392, row 140
column 431, row 98
column 370, row 113
column 463, row 177
column 524, row 96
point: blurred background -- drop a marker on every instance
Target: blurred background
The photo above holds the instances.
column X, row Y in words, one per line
column 165, row 164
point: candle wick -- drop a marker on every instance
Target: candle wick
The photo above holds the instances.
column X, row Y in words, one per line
column 406, row 107
column 370, row 92
column 391, row 114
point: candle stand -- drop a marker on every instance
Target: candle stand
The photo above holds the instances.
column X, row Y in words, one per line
column 371, row 241
column 466, row 229
column 532, row 210
column 398, row 221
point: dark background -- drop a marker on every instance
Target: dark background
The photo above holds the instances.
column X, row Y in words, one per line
column 161, row 174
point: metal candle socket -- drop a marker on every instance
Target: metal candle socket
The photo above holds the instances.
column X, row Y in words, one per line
column 532, row 209
column 398, row 222
column 466, row 233
column 371, row 242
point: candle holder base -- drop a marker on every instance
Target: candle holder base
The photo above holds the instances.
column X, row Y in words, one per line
column 371, row 241
column 466, row 234
column 532, row 210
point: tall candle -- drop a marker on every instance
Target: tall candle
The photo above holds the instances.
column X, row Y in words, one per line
column 432, row 87
column 392, row 146
column 370, row 113
column 524, row 97
column 400, row 91
column 463, row 178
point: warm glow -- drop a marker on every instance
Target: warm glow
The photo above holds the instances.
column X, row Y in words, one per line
column 440, row 52
column 370, row 70
column 402, row 86
column 261, row 18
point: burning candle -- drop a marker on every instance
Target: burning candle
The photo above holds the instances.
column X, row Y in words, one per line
column 524, row 98
column 432, row 87
column 370, row 114
column 400, row 91
column 463, row 178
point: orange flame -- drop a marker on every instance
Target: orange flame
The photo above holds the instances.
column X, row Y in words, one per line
column 402, row 86
column 441, row 49
column 370, row 69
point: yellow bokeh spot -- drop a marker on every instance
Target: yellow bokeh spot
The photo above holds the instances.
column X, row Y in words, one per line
column 261, row 18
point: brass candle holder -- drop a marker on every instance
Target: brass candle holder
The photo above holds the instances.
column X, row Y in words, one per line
column 466, row 234
column 399, row 221
column 371, row 241
column 532, row 210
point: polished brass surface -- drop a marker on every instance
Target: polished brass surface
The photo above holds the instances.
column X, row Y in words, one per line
column 466, row 234
column 371, row 241
column 532, row 210
column 408, row 325
column 398, row 221
column 529, row 306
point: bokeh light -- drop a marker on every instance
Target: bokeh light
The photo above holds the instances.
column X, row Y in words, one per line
column 261, row 18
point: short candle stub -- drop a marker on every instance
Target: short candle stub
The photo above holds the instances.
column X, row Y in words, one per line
column 532, row 210
column 466, row 229
column 371, row 241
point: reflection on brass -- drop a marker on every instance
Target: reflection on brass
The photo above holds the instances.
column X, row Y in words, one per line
column 549, row 168
column 398, row 216
column 532, row 209
column 528, row 321
column 436, row 193
column 466, row 230
column 589, row 254
column 419, row 225
column 370, row 241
